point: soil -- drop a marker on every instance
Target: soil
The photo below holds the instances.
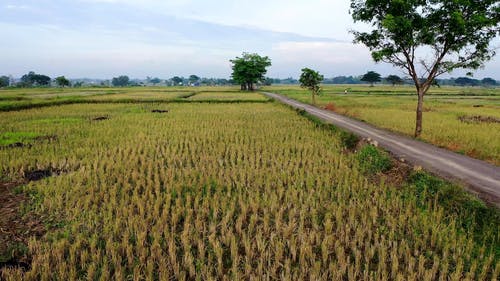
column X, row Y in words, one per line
column 396, row 176
column 159, row 111
column 479, row 119
column 15, row 229
column 16, row 144
column 21, row 145
column 100, row 118
column 37, row 175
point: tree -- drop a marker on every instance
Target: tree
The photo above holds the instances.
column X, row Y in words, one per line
column 193, row 79
column 466, row 81
column 394, row 79
column 120, row 81
column 4, row 81
column 32, row 79
column 311, row 80
column 61, row 81
column 155, row 80
column 249, row 69
column 177, row 80
column 489, row 82
column 371, row 77
column 457, row 32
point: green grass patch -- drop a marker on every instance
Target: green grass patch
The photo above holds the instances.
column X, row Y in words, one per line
column 10, row 138
column 373, row 160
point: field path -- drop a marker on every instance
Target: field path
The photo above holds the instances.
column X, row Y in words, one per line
column 479, row 177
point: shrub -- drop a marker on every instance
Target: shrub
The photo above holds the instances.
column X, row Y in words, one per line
column 372, row 160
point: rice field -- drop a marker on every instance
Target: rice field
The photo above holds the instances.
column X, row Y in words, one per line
column 465, row 120
column 227, row 96
column 26, row 98
column 228, row 191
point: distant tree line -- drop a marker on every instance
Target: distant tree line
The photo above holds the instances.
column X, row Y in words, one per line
column 33, row 79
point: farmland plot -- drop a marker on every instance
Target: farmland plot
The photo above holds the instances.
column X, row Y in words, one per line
column 220, row 192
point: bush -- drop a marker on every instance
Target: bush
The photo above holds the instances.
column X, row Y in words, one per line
column 372, row 160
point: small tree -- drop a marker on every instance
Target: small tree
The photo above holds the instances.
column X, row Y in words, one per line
column 311, row 80
column 394, row 79
column 61, row 81
column 32, row 79
column 177, row 80
column 193, row 79
column 4, row 81
column 458, row 32
column 120, row 81
column 249, row 69
column 371, row 77
column 155, row 80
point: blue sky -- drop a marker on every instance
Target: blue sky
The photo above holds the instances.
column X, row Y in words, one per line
column 106, row 38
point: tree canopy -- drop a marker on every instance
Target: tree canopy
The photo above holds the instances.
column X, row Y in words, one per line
column 249, row 69
column 489, row 82
column 371, row 77
column 457, row 32
column 155, row 80
column 62, row 81
column 4, row 81
column 32, row 79
column 311, row 80
column 394, row 80
column 177, row 80
column 120, row 81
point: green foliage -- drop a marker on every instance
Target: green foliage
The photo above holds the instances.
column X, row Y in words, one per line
column 62, row 81
column 177, row 80
column 32, row 79
column 311, row 80
column 448, row 27
column 394, row 79
column 372, row 160
column 371, row 77
column 4, row 81
column 194, row 78
column 458, row 32
column 120, row 81
column 249, row 69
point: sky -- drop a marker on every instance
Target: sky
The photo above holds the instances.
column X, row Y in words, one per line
column 107, row 38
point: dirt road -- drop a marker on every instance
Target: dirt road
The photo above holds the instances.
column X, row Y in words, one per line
column 478, row 177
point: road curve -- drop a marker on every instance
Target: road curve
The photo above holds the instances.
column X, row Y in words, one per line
column 478, row 177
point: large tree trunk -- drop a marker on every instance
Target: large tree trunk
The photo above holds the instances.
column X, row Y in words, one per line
column 243, row 87
column 420, row 108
